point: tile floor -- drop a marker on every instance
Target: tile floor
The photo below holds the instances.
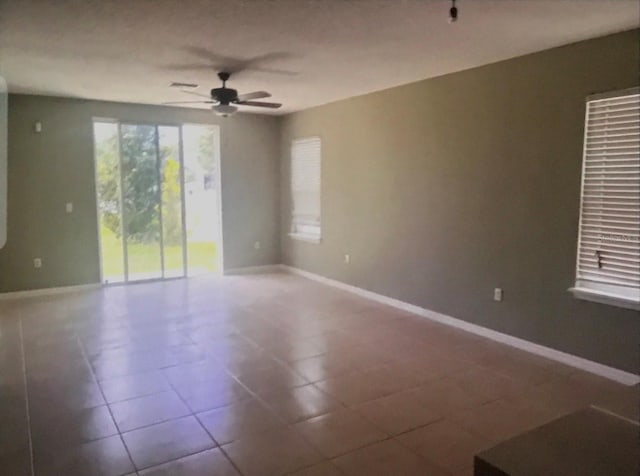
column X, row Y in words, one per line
column 258, row 376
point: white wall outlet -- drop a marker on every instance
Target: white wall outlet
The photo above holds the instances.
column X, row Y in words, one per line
column 37, row 263
column 497, row 294
column 347, row 259
column 37, row 127
column 257, row 245
column 69, row 207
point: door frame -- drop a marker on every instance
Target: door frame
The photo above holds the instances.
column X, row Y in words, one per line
column 217, row 161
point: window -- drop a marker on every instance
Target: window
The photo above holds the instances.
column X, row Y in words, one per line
column 608, row 261
column 305, row 189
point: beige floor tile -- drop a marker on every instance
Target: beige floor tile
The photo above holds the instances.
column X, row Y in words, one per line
column 445, row 443
column 339, row 432
column 359, row 387
column 270, row 379
column 273, row 453
column 62, row 428
column 503, row 419
column 399, row 412
column 164, row 442
column 148, row 410
column 207, row 395
column 448, row 395
column 323, row 367
column 208, row 463
column 385, row 459
column 133, row 386
column 107, row 456
column 300, row 403
column 322, row 469
column 490, row 384
column 238, row 420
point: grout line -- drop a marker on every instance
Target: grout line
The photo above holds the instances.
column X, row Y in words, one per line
column 150, row 424
column 95, row 379
column 175, row 459
column 613, row 414
column 194, row 415
column 26, row 396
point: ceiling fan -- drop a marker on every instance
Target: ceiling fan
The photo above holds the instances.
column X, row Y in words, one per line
column 225, row 99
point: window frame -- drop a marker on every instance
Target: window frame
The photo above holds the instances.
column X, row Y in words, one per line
column 610, row 294
column 310, row 237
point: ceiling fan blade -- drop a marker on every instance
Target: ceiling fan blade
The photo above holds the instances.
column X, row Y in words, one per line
column 190, row 67
column 270, row 105
column 187, row 102
column 195, row 93
column 177, row 84
column 254, row 95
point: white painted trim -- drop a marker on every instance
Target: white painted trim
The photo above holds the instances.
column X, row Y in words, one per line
column 269, row 268
column 602, row 297
column 307, row 238
column 48, row 291
column 596, row 368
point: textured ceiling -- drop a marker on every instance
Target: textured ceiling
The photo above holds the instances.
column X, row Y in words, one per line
column 305, row 52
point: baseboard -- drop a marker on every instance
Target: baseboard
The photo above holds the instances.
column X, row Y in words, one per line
column 269, row 268
column 48, row 291
column 602, row 370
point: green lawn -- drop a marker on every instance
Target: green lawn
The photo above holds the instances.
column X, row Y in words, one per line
column 145, row 258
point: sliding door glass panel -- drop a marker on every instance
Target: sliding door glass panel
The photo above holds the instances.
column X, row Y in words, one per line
column 171, row 185
column 109, row 206
column 201, row 198
column 141, row 201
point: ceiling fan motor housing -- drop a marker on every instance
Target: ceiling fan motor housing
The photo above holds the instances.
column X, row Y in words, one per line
column 224, row 95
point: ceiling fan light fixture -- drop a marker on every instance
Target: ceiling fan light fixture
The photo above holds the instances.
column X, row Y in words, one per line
column 224, row 110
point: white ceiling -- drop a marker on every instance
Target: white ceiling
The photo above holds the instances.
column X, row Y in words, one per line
column 305, row 52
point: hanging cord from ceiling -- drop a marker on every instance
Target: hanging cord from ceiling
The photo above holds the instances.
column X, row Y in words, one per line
column 453, row 12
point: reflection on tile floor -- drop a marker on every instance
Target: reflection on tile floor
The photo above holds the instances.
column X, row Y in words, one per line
column 262, row 375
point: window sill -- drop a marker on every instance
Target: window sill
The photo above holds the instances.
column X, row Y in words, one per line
column 605, row 298
column 307, row 238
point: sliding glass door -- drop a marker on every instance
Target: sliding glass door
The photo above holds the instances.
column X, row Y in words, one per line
column 158, row 218
column 173, row 236
column 141, row 211
column 201, row 196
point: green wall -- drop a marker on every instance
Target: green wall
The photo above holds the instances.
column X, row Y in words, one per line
column 443, row 189
column 51, row 168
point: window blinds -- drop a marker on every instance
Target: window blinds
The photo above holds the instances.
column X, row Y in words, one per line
column 305, row 187
column 609, row 241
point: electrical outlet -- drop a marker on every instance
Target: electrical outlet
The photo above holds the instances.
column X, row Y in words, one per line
column 497, row 294
column 347, row 259
column 256, row 245
column 37, row 263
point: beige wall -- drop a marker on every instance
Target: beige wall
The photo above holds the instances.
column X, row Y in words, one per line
column 47, row 170
column 444, row 189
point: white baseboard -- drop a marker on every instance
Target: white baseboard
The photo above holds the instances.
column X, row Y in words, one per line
column 602, row 370
column 48, row 291
column 269, row 268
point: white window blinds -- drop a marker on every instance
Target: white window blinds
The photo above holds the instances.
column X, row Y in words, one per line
column 609, row 242
column 305, row 188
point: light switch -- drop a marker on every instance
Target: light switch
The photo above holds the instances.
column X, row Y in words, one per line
column 37, row 263
column 69, row 207
column 37, row 127
column 497, row 294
